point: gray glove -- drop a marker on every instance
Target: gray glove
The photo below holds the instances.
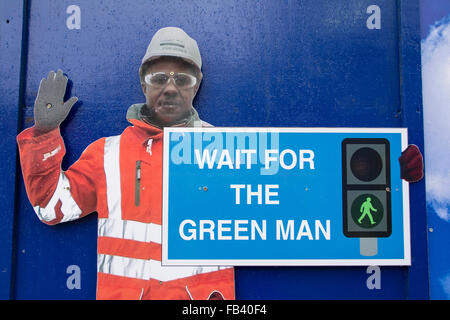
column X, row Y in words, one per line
column 49, row 108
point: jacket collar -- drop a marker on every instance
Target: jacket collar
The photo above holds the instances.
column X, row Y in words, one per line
column 135, row 113
column 147, row 130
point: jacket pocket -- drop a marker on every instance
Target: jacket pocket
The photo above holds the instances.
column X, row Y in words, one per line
column 137, row 184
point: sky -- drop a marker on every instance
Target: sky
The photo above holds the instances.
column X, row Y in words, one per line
column 432, row 11
column 435, row 32
column 436, row 99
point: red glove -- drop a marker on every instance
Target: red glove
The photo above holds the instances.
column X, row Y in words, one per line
column 411, row 164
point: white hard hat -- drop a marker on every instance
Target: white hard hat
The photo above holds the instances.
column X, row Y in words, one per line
column 172, row 41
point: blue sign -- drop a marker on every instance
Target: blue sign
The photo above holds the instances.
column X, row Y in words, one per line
column 284, row 196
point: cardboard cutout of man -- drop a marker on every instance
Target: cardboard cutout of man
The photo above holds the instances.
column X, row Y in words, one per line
column 120, row 177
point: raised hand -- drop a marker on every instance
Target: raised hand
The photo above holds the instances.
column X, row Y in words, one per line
column 49, row 107
column 411, row 164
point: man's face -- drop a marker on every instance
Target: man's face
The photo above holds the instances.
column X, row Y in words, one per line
column 169, row 105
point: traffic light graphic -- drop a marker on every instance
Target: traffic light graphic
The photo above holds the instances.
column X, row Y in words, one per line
column 366, row 188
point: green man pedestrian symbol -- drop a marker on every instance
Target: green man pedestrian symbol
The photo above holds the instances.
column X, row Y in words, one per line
column 366, row 207
column 367, row 211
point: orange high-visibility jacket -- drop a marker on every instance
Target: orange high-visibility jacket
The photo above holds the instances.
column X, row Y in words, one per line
column 120, row 177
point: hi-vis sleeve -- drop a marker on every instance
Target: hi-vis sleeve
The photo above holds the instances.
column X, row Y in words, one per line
column 57, row 195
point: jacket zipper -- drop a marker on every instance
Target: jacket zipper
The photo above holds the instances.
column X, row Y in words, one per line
column 137, row 185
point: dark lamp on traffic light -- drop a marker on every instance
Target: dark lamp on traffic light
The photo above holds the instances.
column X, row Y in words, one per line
column 366, row 164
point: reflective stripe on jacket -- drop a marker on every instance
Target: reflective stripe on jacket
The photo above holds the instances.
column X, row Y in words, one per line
column 120, row 177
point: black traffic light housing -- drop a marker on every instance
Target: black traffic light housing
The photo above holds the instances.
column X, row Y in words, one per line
column 366, row 188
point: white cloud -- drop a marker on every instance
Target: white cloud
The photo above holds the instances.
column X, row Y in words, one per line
column 436, row 101
column 445, row 282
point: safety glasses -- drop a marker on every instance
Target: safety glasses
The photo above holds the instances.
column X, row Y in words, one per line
column 161, row 79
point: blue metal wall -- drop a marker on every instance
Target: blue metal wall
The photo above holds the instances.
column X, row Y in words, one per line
column 303, row 63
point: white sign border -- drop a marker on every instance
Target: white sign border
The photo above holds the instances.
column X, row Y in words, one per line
column 406, row 261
